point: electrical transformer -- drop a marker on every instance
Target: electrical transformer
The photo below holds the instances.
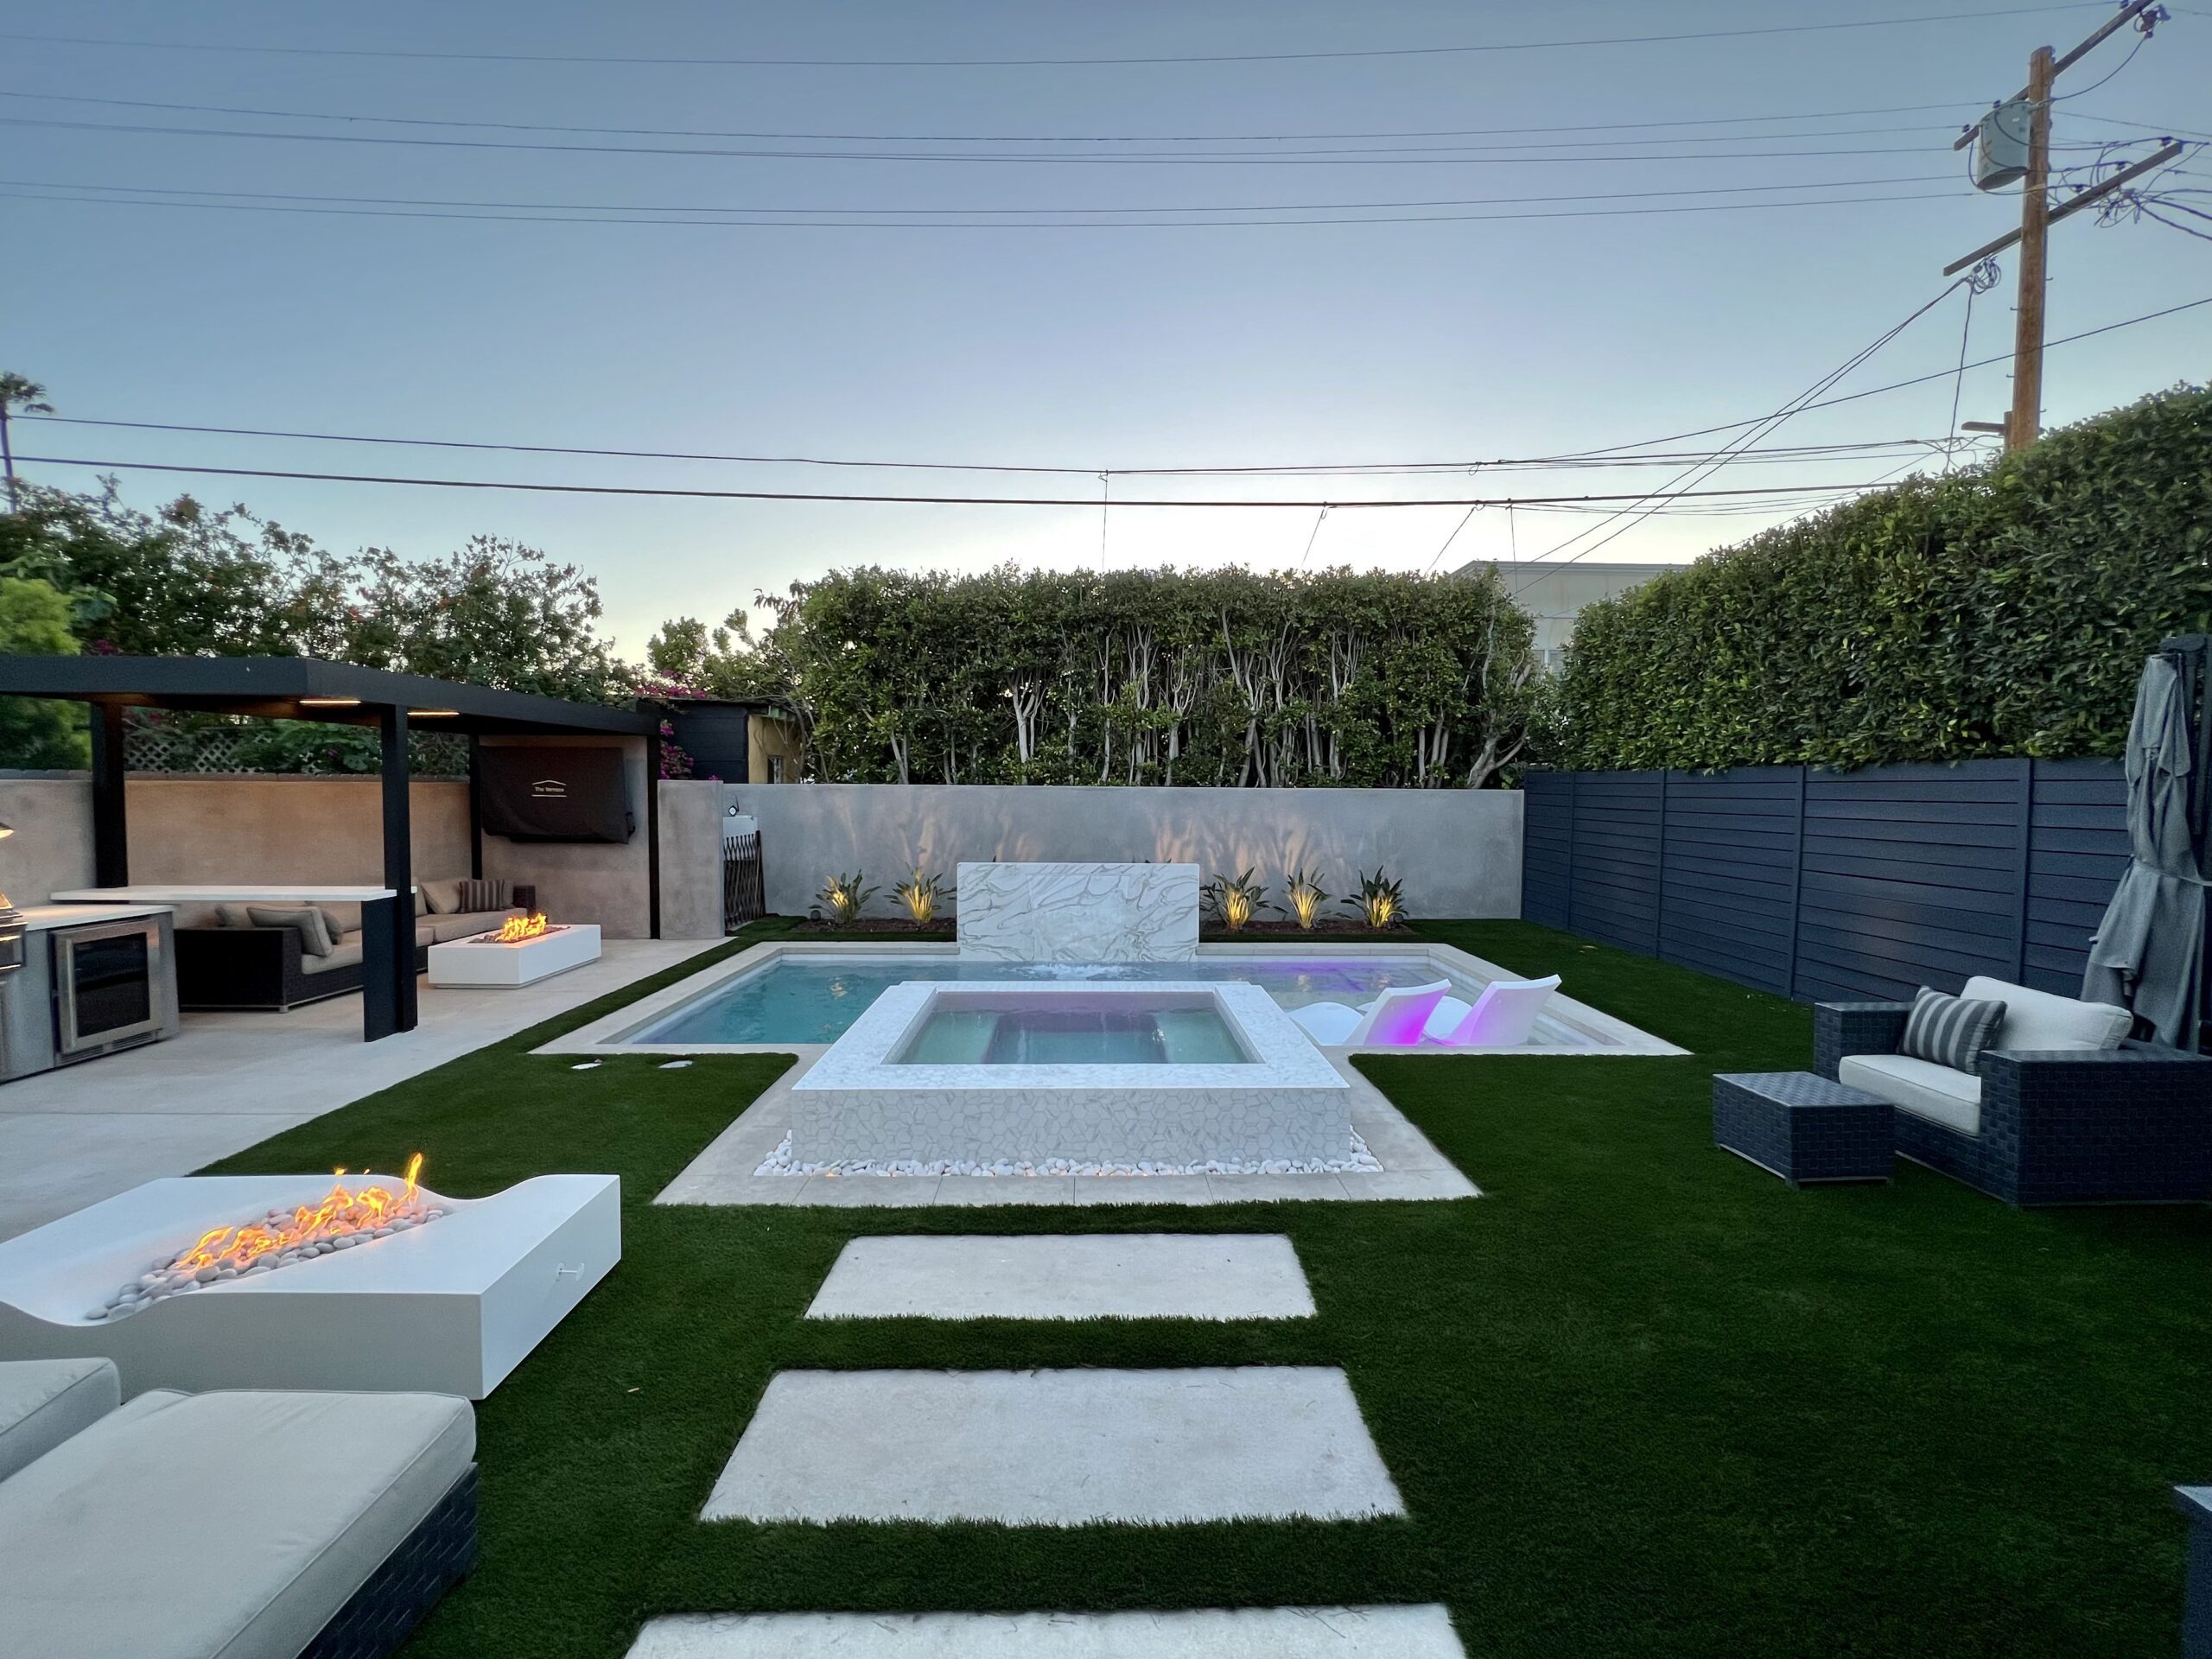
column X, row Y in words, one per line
column 2000, row 146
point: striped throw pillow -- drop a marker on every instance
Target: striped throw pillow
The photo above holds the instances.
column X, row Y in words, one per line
column 481, row 895
column 1949, row 1030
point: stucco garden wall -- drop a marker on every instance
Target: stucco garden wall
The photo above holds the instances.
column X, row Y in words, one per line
column 234, row 827
column 1457, row 850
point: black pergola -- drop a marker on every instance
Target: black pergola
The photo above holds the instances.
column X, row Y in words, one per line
column 306, row 688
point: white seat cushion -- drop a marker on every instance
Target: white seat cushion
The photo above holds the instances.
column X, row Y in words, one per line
column 219, row 1526
column 2037, row 1021
column 1921, row 1087
column 44, row 1402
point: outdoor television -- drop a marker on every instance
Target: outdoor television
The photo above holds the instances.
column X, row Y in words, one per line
column 532, row 794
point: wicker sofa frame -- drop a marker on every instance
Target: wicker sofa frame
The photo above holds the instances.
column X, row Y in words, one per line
column 257, row 968
column 2125, row 1125
column 399, row 1594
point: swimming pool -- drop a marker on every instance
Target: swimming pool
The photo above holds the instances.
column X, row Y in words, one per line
column 796, row 999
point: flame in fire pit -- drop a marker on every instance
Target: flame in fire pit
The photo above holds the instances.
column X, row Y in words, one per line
column 344, row 1218
column 516, row 929
column 343, row 1210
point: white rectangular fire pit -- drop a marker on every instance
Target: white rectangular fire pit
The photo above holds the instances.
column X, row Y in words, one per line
column 484, row 959
column 1176, row 1073
column 451, row 1306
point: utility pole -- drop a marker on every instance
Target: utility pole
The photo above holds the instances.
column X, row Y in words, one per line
column 2045, row 67
column 2035, row 253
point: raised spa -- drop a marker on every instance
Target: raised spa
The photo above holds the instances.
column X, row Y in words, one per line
column 1176, row 1073
column 1134, row 1028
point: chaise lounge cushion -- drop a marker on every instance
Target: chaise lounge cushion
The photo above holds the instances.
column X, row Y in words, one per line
column 1921, row 1087
column 2039, row 1022
column 218, row 1525
column 44, row 1402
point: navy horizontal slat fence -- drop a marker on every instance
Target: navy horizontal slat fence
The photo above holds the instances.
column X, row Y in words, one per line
column 1815, row 885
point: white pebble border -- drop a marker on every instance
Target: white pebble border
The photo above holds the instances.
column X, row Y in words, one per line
column 1360, row 1161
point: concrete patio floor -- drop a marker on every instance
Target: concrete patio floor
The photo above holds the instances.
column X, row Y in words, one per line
column 72, row 1137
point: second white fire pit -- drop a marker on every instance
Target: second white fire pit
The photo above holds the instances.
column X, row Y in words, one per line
column 485, row 960
column 450, row 1306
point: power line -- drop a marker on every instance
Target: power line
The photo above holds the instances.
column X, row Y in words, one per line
column 1899, row 385
column 1213, row 158
column 1204, row 207
column 998, row 138
column 2145, row 126
column 1707, row 468
column 1784, row 453
column 983, row 225
column 695, row 61
column 913, row 501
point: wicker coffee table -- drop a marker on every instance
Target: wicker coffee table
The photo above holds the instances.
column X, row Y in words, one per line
column 1802, row 1127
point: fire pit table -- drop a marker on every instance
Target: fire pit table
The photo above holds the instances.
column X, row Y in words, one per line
column 449, row 1305
column 515, row 955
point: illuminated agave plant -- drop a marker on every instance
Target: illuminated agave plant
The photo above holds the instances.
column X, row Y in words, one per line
column 1307, row 897
column 1380, row 904
column 1235, row 899
column 921, row 895
column 843, row 897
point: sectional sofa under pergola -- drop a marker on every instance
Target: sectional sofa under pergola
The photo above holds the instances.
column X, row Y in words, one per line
column 304, row 687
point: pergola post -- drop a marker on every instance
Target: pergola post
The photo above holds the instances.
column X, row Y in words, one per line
column 652, row 834
column 388, row 935
column 475, row 808
column 110, row 819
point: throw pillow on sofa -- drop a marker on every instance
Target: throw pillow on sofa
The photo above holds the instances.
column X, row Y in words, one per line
column 1949, row 1030
column 442, row 897
column 476, row 896
column 314, row 931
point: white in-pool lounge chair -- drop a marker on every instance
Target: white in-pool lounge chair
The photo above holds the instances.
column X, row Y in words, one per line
column 1501, row 1017
column 1394, row 1020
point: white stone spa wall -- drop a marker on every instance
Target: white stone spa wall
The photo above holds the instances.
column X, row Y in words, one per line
column 1289, row 1103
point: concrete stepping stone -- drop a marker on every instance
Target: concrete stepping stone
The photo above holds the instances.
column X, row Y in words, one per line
column 1055, row 1448
column 1422, row 1632
column 1071, row 1277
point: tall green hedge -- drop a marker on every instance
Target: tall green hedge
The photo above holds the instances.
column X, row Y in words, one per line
column 2006, row 610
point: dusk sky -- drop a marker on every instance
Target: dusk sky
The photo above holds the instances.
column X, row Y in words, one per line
column 1466, row 336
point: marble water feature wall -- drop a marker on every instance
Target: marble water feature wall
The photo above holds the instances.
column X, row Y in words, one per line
column 1078, row 912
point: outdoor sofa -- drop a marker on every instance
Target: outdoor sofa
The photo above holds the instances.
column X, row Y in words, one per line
column 2064, row 1108
column 247, row 1525
column 225, row 959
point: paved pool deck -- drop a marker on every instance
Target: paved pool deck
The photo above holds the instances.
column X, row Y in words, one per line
column 724, row 1172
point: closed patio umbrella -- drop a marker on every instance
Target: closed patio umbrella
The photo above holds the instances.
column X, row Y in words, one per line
column 2148, row 951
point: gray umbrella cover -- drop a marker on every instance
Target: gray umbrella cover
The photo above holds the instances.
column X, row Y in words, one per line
column 2147, row 952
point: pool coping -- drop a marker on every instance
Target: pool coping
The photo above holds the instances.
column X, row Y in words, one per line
column 601, row 1037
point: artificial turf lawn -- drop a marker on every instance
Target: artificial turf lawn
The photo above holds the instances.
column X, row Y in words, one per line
column 1641, row 1398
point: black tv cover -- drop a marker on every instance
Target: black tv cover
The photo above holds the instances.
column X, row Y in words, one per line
column 556, row 794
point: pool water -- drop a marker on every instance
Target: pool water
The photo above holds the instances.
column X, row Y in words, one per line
column 795, row 1000
column 1072, row 1036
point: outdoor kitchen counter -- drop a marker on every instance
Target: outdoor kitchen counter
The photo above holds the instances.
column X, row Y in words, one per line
column 381, row 924
column 226, row 893
column 38, row 919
